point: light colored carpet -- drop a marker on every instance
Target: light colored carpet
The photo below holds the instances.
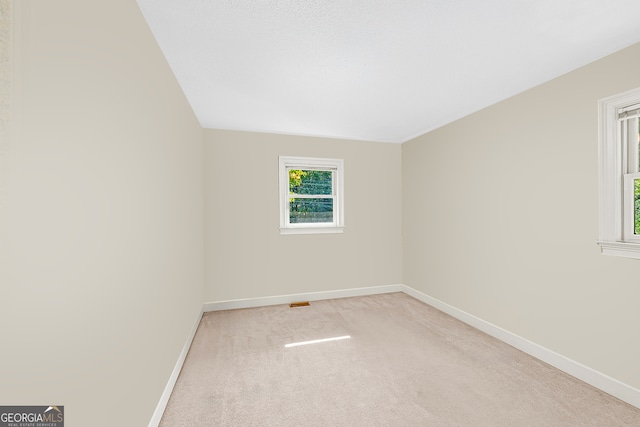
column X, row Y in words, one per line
column 406, row 364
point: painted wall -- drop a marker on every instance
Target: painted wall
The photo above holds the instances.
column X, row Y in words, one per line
column 246, row 255
column 500, row 220
column 101, row 262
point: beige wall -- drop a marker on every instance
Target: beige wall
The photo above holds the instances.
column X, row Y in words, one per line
column 102, row 254
column 246, row 255
column 500, row 220
column 6, row 48
column 101, row 262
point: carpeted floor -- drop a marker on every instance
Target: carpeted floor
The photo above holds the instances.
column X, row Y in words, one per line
column 406, row 364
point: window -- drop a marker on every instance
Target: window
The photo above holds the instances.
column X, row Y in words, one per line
column 311, row 195
column 619, row 156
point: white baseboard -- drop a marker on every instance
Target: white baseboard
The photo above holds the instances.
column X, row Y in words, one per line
column 168, row 389
column 590, row 376
column 311, row 296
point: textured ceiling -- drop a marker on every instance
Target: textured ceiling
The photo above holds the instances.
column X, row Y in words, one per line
column 379, row 70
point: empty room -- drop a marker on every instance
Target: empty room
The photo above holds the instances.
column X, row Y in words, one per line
column 323, row 213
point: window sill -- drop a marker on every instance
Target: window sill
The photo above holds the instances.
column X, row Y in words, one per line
column 622, row 249
column 312, row 230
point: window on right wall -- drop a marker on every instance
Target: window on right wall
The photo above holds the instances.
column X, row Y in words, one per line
column 619, row 157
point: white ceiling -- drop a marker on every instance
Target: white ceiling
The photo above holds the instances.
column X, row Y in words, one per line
column 379, row 70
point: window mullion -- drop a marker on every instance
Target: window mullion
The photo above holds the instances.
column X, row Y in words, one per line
column 624, row 138
column 629, row 142
column 311, row 196
column 632, row 145
column 629, row 145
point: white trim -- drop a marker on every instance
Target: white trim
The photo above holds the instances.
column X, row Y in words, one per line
column 584, row 373
column 312, row 230
column 168, row 389
column 624, row 112
column 337, row 168
column 622, row 249
column 311, row 296
column 631, row 145
column 611, row 170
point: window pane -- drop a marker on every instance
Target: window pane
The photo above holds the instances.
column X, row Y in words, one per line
column 636, row 206
column 310, row 210
column 310, row 182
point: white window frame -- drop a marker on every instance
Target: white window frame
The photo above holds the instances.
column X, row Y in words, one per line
column 336, row 166
column 615, row 228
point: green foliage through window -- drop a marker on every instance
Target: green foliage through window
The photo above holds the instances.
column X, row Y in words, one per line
column 310, row 210
column 636, row 206
column 310, row 183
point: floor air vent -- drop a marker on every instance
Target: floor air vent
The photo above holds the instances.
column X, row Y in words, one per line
column 299, row 304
